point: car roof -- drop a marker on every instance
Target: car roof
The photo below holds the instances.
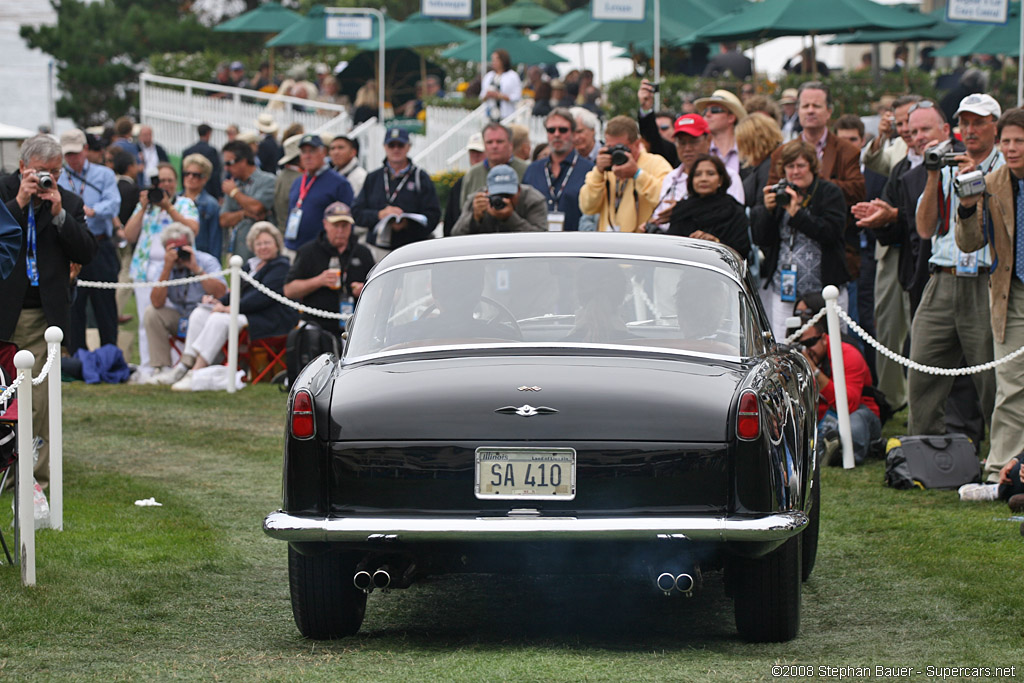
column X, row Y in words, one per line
column 613, row 244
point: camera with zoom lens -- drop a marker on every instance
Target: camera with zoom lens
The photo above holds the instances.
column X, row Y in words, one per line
column 498, row 201
column 45, row 180
column 781, row 196
column 155, row 195
column 620, row 154
column 969, row 184
column 940, row 155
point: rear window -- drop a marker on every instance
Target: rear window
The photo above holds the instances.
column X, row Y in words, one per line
column 552, row 301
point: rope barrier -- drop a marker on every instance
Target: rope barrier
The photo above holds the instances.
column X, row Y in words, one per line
column 791, row 339
column 8, row 393
column 280, row 298
column 50, row 357
column 160, row 283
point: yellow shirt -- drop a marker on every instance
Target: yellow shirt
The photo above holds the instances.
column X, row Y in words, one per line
column 637, row 196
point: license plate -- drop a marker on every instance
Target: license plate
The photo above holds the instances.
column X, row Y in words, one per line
column 526, row 473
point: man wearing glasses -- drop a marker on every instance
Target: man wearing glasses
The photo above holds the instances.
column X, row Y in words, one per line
column 723, row 111
column 865, row 425
column 560, row 176
column 248, row 195
column 318, row 187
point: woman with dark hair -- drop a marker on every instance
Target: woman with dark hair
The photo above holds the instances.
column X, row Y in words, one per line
column 501, row 86
column 800, row 229
column 708, row 212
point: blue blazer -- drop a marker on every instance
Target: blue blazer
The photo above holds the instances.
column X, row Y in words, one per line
column 267, row 318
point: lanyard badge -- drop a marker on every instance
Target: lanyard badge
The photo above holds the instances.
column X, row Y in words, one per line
column 31, row 265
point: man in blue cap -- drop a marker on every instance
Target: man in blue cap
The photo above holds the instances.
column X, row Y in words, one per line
column 318, row 187
column 398, row 202
column 505, row 206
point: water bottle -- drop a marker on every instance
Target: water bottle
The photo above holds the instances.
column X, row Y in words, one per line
column 334, row 266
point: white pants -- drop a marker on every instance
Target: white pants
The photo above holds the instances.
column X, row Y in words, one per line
column 207, row 332
column 141, row 304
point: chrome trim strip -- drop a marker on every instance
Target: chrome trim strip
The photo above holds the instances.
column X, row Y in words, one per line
column 775, row 527
column 522, row 346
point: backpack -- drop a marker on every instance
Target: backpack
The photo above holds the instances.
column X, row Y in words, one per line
column 931, row 462
column 305, row 342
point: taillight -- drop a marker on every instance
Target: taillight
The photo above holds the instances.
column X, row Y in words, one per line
column 302, row 415
column 748, row 417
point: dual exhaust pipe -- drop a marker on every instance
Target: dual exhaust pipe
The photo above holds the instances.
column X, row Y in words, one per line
column 667, row 583
column 367, row 582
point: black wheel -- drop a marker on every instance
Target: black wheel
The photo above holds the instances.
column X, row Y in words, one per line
column 767, row 593
column 325, row 603
column 809, row 544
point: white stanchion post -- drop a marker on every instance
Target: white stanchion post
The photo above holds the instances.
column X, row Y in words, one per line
column 54, row 336
column 233, row 299
column 835, row 344
column 23, row 361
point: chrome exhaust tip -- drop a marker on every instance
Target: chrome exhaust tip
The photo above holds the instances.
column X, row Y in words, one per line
column 666, row 583
column 684, row 584
column 363, row 581
column 381, row 578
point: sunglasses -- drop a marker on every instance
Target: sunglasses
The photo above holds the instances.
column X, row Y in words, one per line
column 558, row 129
column 395, row 145
column 810, row 341
column 715, row 110
column 192, row 174
column 230, row 162
column 923, row 104
column 664, row 127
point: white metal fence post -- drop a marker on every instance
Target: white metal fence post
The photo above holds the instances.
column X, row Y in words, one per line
column 835, row 343
column 54, row 336
column 236, row 285
column 26, row 528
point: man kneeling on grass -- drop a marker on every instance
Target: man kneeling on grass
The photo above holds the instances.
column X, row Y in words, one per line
column 171, row 306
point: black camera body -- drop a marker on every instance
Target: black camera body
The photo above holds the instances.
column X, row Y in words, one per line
column 620, row 154
column 498, row 201
column 940, row 155
column 781, row 196
column 45, row 180
column 155, row 195
column 183, row 254
column 655, row 87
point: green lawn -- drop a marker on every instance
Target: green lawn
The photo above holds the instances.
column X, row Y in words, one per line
column 195, row 590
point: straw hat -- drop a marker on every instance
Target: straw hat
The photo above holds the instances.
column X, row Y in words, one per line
column 723, row 98
column 265, row 123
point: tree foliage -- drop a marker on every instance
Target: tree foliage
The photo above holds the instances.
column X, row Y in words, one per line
column 100, row 48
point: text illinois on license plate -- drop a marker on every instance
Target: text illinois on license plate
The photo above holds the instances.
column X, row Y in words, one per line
column 513, row 473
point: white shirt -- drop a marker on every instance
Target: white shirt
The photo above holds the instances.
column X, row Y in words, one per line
column 507, row 84
column 149, row 160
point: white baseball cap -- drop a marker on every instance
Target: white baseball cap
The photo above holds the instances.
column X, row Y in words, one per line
column 980, row 104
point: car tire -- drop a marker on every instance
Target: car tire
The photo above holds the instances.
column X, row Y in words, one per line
column 809, row 544
column 767, row 594
column 324, row 602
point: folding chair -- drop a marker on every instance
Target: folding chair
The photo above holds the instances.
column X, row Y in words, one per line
column 273, row 348
column 8, row 424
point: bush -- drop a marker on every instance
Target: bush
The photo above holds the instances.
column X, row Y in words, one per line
column 443, row 183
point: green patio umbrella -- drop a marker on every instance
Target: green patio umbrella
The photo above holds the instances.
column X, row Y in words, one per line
column 418, row 31
column 269, row 17
column 312, row 30
column 940, row 31
column 521, row 49
column 679, row 18
column 565, row 24
column 989, row 39
column 521, row 13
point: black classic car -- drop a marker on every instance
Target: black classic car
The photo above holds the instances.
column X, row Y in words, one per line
column 550, row 403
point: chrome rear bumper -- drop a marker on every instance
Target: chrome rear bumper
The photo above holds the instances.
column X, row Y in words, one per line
column 425, row 529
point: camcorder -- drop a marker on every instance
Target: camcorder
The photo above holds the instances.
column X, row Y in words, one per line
column 620, row 154
column 969, row 184
column 940, row 155
column 498, row 200
column 781, row 196
column 45, row 180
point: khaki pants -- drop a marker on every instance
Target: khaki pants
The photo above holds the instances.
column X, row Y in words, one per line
column 951, row 322
column 28, row 335
column 1007, row 438
column 160, row 324
column 892, row 322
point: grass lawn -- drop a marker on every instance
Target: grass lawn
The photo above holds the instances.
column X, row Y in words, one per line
column 194, row 589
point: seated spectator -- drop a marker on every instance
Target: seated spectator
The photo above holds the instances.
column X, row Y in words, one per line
column 171, row 306
column 865, row 425
column 505, row 206
column 312, row 281
column 708, row 212
column 209, row 323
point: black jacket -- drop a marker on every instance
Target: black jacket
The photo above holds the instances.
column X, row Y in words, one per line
column 823, row 220
column 269, row 153
column 313, row 258
column 417, row 195
column 267, row 318
column 755, row 181
column 719, row 215
column 655, row 143
column 56, row 248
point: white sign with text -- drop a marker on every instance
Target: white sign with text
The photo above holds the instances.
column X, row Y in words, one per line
column 447, row 9
column 618, row 10
column 349, row 28
column 978, row 11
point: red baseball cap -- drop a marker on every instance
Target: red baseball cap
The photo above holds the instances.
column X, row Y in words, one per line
column 691, row 124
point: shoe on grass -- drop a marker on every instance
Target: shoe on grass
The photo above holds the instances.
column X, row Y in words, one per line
column 171, row 375
column 979, row 492
column 183, row 384
column 154, row 375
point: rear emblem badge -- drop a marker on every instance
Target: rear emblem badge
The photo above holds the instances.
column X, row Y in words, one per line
column 526, row 410
column 533, row 388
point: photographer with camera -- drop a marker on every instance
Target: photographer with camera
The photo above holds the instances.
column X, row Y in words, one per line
column 625, row 184
column 800, row 228
column 171, row 306
column 952, row 321
column 158, row 207
column 504, row 206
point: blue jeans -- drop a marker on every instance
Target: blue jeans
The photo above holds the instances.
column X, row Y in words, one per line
column 865, row 427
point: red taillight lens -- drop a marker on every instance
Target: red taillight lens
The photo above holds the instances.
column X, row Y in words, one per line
column 748, row 418
column 302, row 415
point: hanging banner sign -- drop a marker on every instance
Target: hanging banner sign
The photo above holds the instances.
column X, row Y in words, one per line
column 618, row 10
column 978, row 11
column 349, row 29
column 447, row 9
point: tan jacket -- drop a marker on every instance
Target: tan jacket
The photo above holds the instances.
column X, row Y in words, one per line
column 970, row 236
column 594, row 194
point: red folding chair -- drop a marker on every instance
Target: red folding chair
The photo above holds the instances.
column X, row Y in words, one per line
column 273, row 347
